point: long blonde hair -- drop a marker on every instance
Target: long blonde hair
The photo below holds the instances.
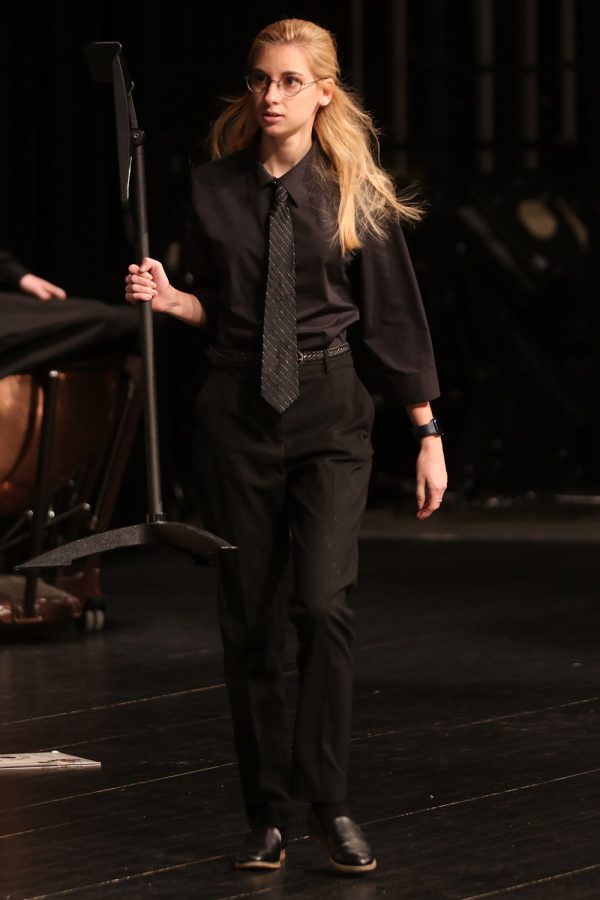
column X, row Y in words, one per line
column 345, row 132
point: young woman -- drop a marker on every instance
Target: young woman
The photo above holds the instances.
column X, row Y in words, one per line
column 295, row 236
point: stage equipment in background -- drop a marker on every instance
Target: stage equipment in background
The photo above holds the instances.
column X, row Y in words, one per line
column 521, row 317
column 67, row 433
column 107, row 65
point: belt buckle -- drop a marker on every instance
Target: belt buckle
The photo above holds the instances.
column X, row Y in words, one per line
column 300, row 357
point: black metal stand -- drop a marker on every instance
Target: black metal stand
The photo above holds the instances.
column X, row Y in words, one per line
column 108, row 66
column 40, row 508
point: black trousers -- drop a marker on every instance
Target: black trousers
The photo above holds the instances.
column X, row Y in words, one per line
column 287, row 489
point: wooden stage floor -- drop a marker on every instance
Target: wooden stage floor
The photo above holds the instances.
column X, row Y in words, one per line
column 475, row 752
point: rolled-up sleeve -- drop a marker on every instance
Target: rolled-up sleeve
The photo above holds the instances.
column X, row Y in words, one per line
column 11, row 271
column 393, row 323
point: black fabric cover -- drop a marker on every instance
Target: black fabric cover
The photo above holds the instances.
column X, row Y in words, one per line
column 36, row 333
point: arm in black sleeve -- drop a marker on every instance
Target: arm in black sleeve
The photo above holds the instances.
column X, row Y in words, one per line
column 11, row 270
column 199, row 261
column 393, row 324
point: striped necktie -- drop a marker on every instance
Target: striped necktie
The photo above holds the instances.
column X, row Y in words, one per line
column 279, row 363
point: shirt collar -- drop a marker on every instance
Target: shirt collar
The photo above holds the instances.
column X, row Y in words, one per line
column 295, row 181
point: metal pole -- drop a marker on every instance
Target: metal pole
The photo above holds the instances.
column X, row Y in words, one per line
column 155, row 506
column 357, row 31
column 530, row 102
column 400, row 83
column 484, row 55
column 42, row 485
column 568, row 75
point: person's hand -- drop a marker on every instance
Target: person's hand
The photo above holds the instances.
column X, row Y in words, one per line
column 431, row 476
column 43, row 290
column 149, row 283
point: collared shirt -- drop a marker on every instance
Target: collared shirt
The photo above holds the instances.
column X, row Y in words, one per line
column 374, row 288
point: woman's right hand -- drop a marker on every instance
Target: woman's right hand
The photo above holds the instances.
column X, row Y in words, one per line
column 149, row 282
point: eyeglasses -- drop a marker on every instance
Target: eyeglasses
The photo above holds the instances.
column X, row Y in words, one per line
column 289, row 85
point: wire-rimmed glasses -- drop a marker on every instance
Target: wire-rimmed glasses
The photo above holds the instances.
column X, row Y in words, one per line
column 289, row 85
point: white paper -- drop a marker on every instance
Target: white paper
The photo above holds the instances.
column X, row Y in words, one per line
column 52, row 760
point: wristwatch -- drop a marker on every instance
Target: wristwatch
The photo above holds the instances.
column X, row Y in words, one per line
column 433, row 427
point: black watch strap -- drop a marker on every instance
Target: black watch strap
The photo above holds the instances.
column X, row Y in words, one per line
column 433, row 427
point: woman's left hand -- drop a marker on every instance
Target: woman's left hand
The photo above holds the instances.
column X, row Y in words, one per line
column 40, row 288
column 431, row 476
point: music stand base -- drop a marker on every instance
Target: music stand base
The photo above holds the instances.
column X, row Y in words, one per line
column 198, row 543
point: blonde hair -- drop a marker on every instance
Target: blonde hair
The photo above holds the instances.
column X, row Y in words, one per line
column 345, row 132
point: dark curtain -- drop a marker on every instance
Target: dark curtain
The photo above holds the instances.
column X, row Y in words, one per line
column 58, row 180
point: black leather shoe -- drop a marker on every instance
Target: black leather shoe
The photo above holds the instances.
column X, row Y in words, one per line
column 346, row 844
column 264, row 848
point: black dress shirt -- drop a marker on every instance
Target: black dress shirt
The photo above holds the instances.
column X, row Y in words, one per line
column 375, row 287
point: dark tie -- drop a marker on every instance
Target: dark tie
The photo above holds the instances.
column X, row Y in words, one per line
column 279, row 364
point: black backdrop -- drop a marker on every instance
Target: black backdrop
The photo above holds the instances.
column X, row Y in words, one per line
column 60, row 211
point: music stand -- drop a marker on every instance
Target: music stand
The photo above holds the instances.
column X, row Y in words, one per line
column 106, row 63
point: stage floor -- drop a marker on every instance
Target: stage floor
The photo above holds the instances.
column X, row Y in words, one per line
column 475, row 752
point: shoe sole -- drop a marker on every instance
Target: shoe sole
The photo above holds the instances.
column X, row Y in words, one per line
column 354, row 870
column 258, row 864
column 341, row 867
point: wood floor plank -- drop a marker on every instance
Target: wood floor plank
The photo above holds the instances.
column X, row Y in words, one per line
column 475, row 746
column 508, row 841
column 450, row 763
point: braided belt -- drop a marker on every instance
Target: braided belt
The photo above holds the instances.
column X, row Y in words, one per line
column 243, row 358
